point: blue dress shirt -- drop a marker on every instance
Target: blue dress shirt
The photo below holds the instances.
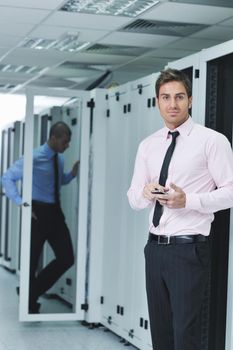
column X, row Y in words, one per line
column 43, row 176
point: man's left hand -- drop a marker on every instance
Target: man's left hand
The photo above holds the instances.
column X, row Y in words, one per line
column 174, row 200
column 75, row 168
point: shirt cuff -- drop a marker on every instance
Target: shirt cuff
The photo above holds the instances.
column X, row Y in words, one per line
column 18, row 201
column 193, row 201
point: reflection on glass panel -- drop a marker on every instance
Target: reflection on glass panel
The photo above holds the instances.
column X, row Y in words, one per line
column 54, row 205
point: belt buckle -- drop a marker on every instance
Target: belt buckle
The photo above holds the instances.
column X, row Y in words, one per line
column 165, row 242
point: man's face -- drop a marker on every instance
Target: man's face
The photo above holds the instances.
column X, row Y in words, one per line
column 60, row 144
column 173, row 103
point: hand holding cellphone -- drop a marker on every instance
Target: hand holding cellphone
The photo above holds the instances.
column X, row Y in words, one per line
column 155, row 191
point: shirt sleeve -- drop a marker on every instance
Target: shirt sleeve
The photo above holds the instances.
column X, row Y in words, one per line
column 66, row 178
column 220, row 167
column 10, row 178
column 140, row 179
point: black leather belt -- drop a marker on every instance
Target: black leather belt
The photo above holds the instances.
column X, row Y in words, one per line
column 177, row 239
column 42, row 204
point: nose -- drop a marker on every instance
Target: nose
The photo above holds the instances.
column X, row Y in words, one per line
column 173, row 103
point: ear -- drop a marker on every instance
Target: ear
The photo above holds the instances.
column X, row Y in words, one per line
column 190, row 101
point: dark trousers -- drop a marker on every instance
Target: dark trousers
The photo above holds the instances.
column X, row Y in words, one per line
column 176, row 277
column 49, row 225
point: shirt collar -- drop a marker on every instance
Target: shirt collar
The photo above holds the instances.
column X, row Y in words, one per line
column 48, row 151
column 184, row 129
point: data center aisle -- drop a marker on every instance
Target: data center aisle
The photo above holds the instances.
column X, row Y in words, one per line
column 15, row 335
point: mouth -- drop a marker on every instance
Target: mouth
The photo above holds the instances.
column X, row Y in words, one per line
column 173, row 113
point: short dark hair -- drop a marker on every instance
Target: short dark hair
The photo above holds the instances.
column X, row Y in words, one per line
column 59, row 129
column 173, row 75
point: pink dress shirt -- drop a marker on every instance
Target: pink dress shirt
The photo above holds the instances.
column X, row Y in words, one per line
column 202, row 165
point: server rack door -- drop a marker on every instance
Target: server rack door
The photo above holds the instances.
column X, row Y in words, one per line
column 143, row 121
column 114, row 236
column 96, row 203
column 7, row 257
column 219, row 106
column 14, row 243
column 3, row 199
column 48, row 313
column 71, row 115
column 191, row 66
column 5, row 202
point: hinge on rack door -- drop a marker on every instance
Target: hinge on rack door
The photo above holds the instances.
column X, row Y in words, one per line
column 197, row 73
column 84, row 307
column 91, row 103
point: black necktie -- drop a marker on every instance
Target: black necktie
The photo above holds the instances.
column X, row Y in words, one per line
column 56, row 177
column 163, row 176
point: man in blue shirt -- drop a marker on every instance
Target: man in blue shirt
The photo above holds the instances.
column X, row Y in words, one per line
column 48, row 221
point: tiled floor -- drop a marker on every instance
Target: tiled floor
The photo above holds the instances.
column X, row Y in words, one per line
column 45, row 335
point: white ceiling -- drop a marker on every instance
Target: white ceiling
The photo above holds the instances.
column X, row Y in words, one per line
column 127, row 53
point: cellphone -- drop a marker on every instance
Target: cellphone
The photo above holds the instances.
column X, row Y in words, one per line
column 158, row 192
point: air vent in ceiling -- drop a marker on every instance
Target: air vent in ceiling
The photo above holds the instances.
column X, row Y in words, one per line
column 116, row 50
column 162, row 28
column 221, row 3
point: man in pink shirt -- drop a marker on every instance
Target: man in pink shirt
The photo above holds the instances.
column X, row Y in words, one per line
column 184, row 173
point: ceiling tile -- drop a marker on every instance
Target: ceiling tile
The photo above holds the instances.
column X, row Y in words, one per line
column 228, row 22
column 82, row 20
column 12, row 79
column 46, row 81
column 170, row 53
column 38, row 57
column 122, row 50
column 52, row 32
column 3, row 51
column 215, row 32
column 148, row 62
column 19, row 29
column 9, row 41
column 72, row 73
column 100, row 59
column 20, row 15
column 195, row 44
column 221, row 3
column 187, row 13
column 142, row 40
column 41, row 4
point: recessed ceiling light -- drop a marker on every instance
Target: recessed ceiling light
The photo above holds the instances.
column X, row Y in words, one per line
column 129, row 8
column 67, row 43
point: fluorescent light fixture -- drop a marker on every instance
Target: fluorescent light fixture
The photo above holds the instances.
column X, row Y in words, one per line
column 67, row 43
column 128, row 8
column 11, row 68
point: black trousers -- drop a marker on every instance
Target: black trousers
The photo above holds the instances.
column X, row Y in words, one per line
column 49, row 225
column 176, row 277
